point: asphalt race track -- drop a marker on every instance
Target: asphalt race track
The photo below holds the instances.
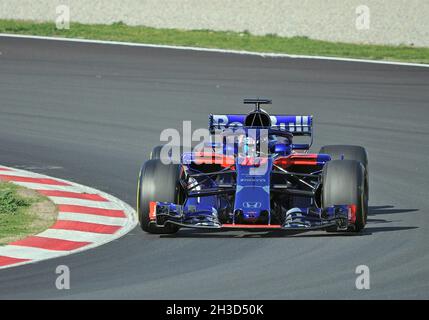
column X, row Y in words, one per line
column 91, row 113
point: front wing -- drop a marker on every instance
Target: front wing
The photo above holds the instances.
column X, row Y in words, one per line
column 340, row 216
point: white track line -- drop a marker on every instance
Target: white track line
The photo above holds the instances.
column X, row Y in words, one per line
column 84, row 203
column 41, row 186
column 71, row 216
column 21, row 174
column 73, row 235
column 32, row 253
column 259, row 54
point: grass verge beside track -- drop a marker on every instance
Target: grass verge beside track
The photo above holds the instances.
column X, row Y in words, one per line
column 23, row 212
column 219, row 40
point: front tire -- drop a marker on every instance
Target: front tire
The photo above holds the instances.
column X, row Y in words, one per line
column 157, row 182
column 344, row 184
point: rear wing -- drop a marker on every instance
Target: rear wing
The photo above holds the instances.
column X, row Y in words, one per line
column 298, row 125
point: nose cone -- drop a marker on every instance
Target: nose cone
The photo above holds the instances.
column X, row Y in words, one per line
column 252, row 197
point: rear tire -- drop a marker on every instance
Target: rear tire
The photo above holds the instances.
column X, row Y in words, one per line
column 173, row 156
column 344, row 184
column 157, row 182
column 347, row 152
column 156, row 153
column 336, row 152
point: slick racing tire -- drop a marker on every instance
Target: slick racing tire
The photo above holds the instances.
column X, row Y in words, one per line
column 347, row 152
column 344, row 184
column 156, row 153
column 157, row 182
column 357, row 153
column 175, row 158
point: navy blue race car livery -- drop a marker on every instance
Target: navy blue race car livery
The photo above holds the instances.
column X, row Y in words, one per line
column 252, row 175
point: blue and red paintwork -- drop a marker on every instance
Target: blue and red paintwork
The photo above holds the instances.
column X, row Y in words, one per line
column 252, row 196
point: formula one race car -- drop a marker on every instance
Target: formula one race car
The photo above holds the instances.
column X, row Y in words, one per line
column 252, row 175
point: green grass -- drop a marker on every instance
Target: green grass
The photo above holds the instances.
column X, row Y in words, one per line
column 10, row 203
column 18, row 214
column 223, row 40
